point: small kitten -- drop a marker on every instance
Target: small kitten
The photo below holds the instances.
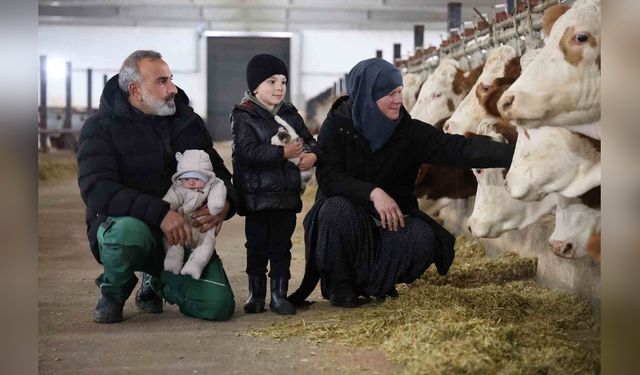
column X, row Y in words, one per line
column 286, row 134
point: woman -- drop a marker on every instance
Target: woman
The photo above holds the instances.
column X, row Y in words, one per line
column 365, row 232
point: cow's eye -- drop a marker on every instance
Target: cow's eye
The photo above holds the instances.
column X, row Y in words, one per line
column 438, row 95
column 479, row 171
column 581, row 38
column 485, row 87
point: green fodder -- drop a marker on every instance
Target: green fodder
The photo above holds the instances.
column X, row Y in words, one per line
column 486, row 316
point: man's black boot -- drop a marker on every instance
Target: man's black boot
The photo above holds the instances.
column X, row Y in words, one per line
column 108, row 311
column 146, row 299
column 257, row 294
column 279, row 303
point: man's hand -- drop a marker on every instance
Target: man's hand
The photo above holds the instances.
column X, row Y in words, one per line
column 390, row 214
column 176, row 229
column 205, row 221
column 307, row 161
column 293, row 149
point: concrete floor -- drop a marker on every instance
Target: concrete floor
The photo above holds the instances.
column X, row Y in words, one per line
column 70, row 342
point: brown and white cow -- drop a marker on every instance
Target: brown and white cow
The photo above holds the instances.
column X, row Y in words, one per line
column 577, row 230
column 553, row 159
column 501, row 70
column 494, row 210
column 411, row 83
column 442, row 186
column 443, row 91
column 561, row 86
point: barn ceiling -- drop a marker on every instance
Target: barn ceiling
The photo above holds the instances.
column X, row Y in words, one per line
column 256, row 15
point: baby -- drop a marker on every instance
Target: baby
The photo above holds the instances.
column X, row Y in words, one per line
column 194, row 183
column 286, row 134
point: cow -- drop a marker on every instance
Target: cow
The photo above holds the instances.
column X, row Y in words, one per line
column 501, row 69
column 443, row 185
column 411, row 83
column 561, row 87
column 443, row 91
column 494, row 210
column 577, row 230
column 435, row 182
column 553, row 159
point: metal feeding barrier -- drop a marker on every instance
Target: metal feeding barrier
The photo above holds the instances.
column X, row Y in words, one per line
column 481, row 35
column 522, row 28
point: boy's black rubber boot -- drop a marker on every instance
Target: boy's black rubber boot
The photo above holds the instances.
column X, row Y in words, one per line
column 279, row 303
column 257, row 294
column 108, row 311
column 147, row 299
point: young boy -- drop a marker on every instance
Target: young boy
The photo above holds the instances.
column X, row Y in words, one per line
column 268, row 183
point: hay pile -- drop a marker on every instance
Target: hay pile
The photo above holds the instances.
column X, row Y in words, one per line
column 486, row 316
column 56, row 169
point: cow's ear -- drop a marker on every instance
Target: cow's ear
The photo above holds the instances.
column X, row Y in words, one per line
column 440, row 123
column 551, row 15
column 507, row 131
column 178, row 156
column 458, row 82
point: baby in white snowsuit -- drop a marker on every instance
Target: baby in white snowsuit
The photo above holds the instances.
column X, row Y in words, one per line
column 194, row 183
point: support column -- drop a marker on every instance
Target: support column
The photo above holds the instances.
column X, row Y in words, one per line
column 42, row 124
column 67, row 119
column 89, row 89
column 418, row 36
column 454, row 15
column 396, row 51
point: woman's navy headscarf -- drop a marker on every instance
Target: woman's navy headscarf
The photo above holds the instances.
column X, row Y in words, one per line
column 367, row 82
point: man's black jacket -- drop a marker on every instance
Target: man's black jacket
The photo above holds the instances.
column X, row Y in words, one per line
column 126, row 159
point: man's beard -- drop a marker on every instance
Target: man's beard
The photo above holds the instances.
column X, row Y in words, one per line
column 161, row 107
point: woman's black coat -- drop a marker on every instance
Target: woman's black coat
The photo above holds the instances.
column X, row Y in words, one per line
column 264, row 178
column 348, row 168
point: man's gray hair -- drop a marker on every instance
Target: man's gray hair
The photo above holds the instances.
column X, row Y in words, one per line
column 130, row 72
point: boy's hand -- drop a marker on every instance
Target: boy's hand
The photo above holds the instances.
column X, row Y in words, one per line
column 176, row 229
column 293, row 149
column 307, row 161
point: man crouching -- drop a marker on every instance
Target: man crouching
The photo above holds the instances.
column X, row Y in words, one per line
column 126, row 158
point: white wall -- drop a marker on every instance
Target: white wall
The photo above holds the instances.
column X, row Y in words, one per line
column 318, row 57
column 329, row 54
column 104, row 48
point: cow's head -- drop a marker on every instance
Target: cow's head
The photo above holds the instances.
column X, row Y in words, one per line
column 552, row 159
column 576, row 223
column 443, row 90
column 562, row 84
column 411, row 83
column 494, row 210
column 500, row 71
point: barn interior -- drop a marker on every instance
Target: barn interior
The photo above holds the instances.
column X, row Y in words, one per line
column 521, row 300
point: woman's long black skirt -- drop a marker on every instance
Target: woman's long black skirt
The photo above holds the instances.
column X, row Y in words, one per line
column 351, row 249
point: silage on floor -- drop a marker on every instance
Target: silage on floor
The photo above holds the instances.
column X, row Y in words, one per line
column 485, row 316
